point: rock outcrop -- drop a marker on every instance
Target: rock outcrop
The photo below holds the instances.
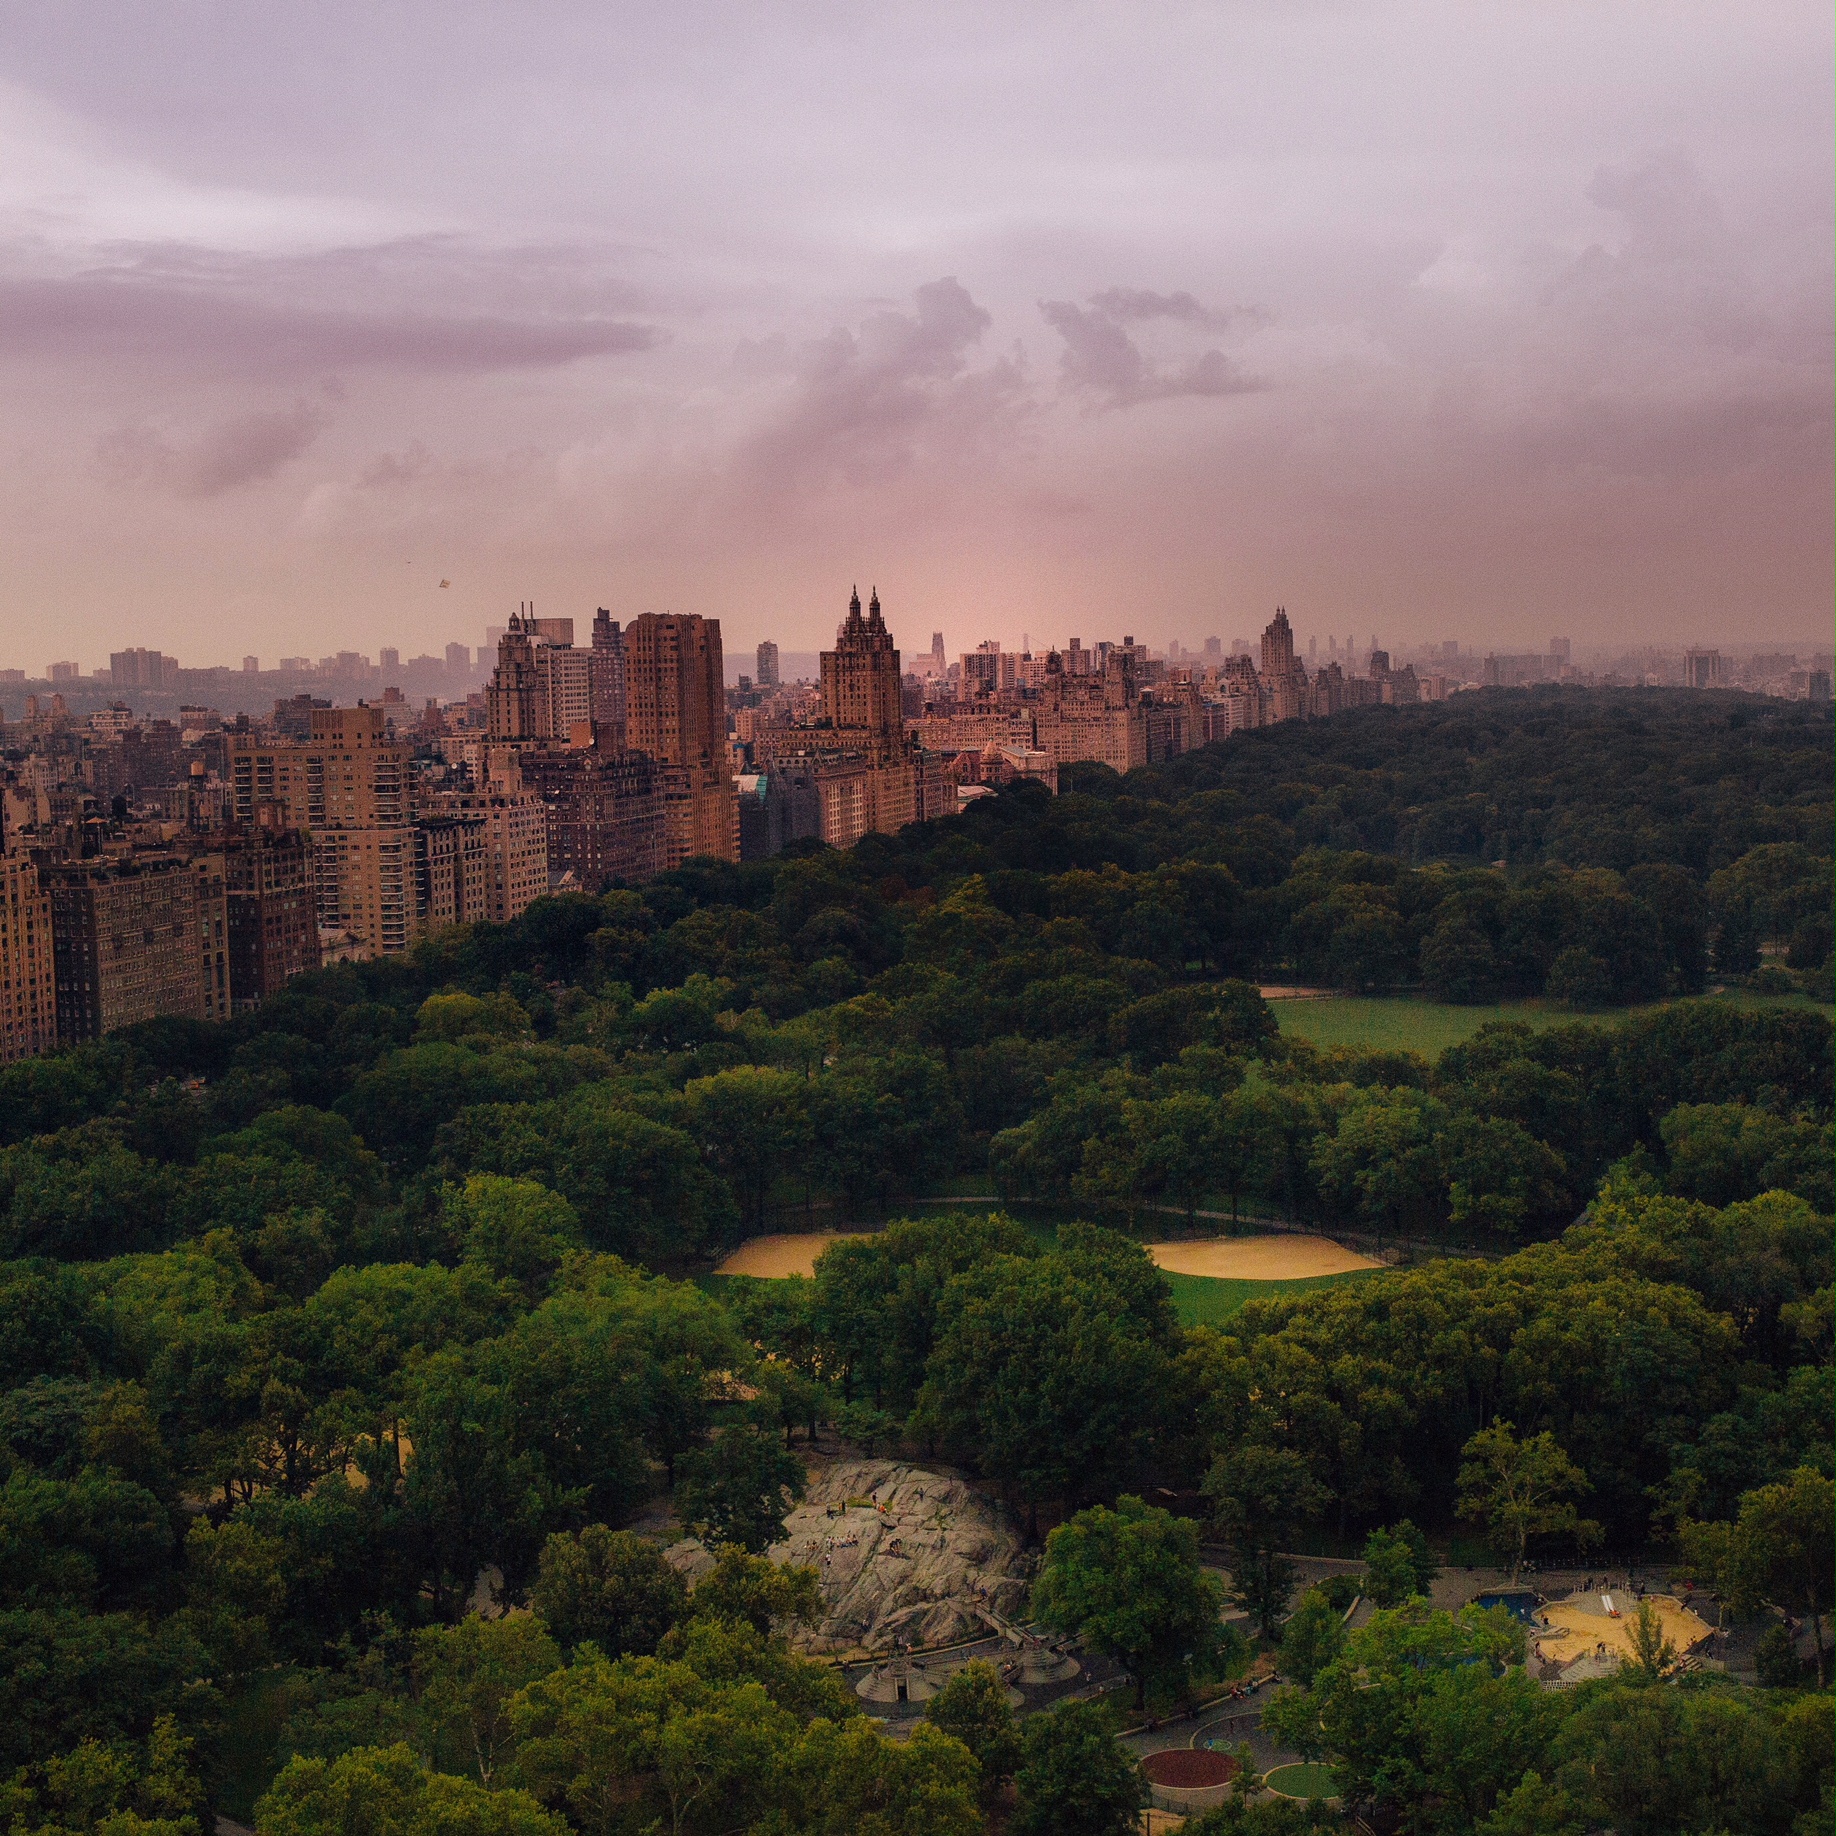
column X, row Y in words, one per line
column 906, row 1557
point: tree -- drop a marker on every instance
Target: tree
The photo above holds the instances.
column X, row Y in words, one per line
column 609, row 1588
column 1260, row 1497
column 1397, row 1564
column 1075, row 1778
column 754, row 1591
column 1520, row 1489
column 751, row 1123
column 148, row 1789
column 972, row 1707
column 517, row 1228
column 1243, row 1141
column 1777, row 1550
column 740, row 1488
column 1429, row 1715
column 1383, row 1160
column 1050, row 1371
column 1499, row 1175
column 1652, row 1653
column 1312, row 1638
column 386, row 1791
column 1128, row 1583
column 467, row 1674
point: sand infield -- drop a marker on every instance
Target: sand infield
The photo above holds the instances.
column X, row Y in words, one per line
column 1279, row 1258
column 794, row 1254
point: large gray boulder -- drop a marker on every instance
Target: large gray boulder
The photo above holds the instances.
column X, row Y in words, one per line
column 906, row 1556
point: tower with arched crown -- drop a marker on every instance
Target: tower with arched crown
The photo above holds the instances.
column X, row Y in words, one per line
column 860, row 681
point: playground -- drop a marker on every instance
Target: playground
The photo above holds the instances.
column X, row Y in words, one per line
column 1564, row 1630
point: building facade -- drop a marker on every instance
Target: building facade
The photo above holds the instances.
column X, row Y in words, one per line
column 676, row 713
column 28, row 981
column 350, row 786
column 136, row 936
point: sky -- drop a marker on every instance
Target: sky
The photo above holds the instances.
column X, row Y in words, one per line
column 333, row 326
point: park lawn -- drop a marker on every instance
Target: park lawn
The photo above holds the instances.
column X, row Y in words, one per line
column 1413, row 1023
column 1205, row 1300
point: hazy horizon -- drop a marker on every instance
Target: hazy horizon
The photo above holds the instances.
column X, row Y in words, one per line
column 1414, row 319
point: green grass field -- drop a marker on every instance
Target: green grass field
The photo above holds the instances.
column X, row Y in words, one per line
column 1204, row 1300
column 1304, row 1780
column 1412, row 1023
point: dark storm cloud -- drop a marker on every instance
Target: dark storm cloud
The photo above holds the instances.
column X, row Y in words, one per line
column 1102, row 361
column 90, row 317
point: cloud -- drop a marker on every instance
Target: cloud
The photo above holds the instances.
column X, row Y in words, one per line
column 102, row 316
column 867, row 404
column 1669, row 212
column 1124, row 303
column 241, row 451
column 1102, row 360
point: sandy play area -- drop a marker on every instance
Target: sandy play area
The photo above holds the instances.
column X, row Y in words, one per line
column 1580, row 1623
column 1259, row 1258
column 788, row 1255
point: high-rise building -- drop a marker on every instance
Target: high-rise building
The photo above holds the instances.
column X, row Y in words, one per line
column 271, row 895
column 512, row 871
column 939, row 663
column 452, row 878
column 767, row 674
column 860, row 677
column 608, row 671
column 28, row 984
column 607, row 813
column 676, row 712
column 1702, row 668
column 251, row 666
column 350, row 786
column 459, row 658
column 1094, row 715
column 543, row 685
column 135, row 936
column 140, row 668
column 1284, row 677
column 389, row 659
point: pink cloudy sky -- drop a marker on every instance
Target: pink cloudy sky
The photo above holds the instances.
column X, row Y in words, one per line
column 1423, row 319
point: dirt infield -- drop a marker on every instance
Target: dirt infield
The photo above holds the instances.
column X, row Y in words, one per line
column 1259, row 1258
column 788, row 1255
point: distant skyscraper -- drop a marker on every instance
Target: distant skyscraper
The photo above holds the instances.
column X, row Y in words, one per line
column 251, row 666
column 939, row 662
column 389, row 659
column 1278, row 645
column 767, row 676
column 459, row 657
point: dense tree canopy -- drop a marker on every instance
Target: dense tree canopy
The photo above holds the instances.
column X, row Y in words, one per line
column 310, row 1320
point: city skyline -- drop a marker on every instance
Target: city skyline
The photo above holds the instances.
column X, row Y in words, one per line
column 1411, row 320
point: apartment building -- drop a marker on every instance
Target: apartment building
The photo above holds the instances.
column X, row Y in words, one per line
column 28, row 983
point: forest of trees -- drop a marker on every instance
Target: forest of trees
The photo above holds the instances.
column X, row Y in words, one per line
column 308, row 1317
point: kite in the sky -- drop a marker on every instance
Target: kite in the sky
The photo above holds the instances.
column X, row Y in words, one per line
column 446, row 583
